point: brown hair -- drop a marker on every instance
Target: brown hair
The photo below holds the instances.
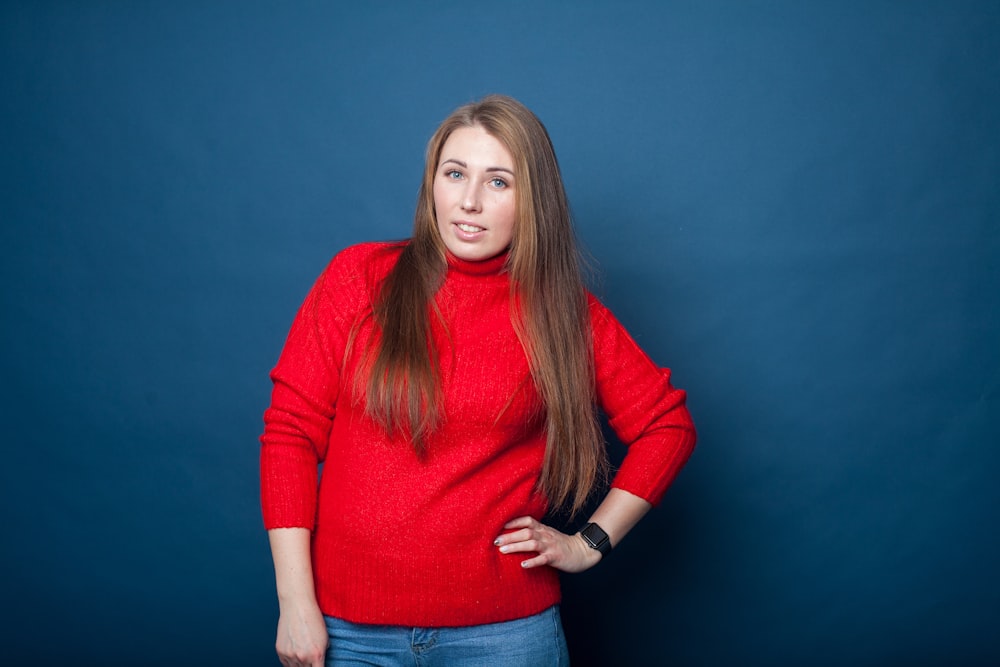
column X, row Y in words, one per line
column 548, row 308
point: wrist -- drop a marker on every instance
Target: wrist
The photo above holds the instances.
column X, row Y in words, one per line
column 596, row 538
column 297, row 599
column 591, row 556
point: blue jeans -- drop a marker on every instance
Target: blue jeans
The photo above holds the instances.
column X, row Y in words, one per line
column 535, row 641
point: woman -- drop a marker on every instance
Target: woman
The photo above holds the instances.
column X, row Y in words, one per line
column 448, row 384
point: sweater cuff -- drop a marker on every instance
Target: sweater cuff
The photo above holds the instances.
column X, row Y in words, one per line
column 652, row 465
column 288, row 487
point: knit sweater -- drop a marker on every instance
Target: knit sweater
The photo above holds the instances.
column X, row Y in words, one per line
column 399, row 539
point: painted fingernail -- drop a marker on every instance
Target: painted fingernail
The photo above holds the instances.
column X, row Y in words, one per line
column 504, row 549
column 496, row 542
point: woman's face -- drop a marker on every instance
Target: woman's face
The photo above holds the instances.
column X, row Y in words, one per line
column 474, row 200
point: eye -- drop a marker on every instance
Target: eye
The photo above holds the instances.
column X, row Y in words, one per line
column 453, row 174
column 498, row 183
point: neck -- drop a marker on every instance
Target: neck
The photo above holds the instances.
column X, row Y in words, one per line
column 485, row 267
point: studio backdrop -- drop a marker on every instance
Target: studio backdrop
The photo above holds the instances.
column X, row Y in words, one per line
column 794, row 206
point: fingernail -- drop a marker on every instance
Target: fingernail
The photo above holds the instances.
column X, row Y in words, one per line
column 504, row 549
column 496, row 542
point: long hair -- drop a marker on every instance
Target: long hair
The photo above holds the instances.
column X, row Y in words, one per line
column 549, row 308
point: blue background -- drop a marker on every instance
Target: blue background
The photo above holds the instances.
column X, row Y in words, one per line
column 794, row 205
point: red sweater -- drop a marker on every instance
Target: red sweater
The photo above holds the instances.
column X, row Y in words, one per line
column 405, row 541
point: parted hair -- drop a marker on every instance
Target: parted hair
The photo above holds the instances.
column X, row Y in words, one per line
column 549, row 308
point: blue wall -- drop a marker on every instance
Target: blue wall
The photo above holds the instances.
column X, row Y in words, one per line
column 794, row 205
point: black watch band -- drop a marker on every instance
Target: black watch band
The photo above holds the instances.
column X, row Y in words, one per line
column 596, row 538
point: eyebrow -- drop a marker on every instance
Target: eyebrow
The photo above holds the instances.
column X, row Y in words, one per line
column 465, row 166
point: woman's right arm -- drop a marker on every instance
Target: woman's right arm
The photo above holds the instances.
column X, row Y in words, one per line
column 296, row 427
column 302, row 636
column 296, row 430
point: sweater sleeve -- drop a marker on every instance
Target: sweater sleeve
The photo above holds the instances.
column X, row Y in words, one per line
column 645, row 411
column 306, row 387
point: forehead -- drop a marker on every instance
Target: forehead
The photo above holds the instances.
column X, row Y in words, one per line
column 476, row 147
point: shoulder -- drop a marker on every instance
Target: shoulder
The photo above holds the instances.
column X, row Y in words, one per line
column 366, row 257
column 609, row 335
column 600, row 316
column 353, row 277
column 361, row 264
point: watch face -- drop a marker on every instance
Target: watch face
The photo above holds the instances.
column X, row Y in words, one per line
column 594, row 535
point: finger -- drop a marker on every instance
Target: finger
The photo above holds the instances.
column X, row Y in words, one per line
column 524, row 545
column 537, row 561
column 520, row 522
column 315, row 660
column 518, row 536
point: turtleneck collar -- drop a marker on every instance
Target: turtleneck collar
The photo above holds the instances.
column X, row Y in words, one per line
column 487, row 267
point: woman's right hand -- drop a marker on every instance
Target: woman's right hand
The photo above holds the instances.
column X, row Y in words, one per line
column 302, row 636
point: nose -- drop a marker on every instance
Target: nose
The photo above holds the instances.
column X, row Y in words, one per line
column 470, row 198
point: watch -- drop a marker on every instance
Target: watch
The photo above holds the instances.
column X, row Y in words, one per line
column 596, row 538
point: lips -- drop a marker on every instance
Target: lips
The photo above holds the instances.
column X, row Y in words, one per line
column 466, row 232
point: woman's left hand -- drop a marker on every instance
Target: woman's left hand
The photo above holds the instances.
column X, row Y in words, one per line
column 568, row 553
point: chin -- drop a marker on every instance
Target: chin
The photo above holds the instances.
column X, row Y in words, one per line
column 474, row 254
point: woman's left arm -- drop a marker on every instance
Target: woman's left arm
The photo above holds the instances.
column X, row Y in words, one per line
column 649, row 416
column 617, row 514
